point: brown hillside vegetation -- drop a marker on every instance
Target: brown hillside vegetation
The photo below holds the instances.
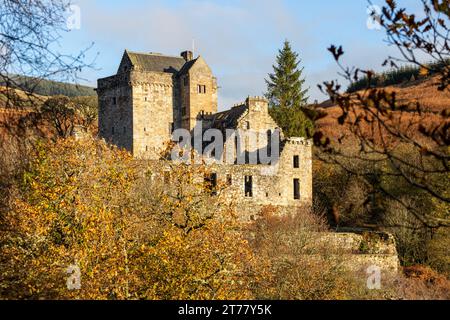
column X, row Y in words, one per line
column 24, row 114
column 16, row 107
column 18, row 99
column 424, row 92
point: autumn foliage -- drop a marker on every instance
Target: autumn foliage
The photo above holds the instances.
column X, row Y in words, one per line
column 80, row 203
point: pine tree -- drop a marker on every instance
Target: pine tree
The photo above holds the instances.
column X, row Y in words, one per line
column 286, row 95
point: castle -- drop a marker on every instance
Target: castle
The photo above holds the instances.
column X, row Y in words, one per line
column 152, row 95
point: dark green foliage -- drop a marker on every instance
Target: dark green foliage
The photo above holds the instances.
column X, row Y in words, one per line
column 286, row 94
column 395, row 76
column 293, row 121
column 50, row 88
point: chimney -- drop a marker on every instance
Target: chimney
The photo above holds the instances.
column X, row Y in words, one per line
column 187, row 55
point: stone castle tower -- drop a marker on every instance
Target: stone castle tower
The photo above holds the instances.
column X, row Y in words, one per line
column 153, row 94
column 150, row 96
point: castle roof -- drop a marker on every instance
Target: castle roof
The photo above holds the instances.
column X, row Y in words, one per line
column 156, row 62
column 228, row 119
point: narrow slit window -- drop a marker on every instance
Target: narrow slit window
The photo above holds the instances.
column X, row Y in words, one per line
column 249, row 186
column 229, row 179
column 296, row 189
column 201, row 89
column 269, row 143
column 296, row 162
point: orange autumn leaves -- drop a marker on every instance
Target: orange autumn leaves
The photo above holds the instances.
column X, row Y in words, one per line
column 81, row 203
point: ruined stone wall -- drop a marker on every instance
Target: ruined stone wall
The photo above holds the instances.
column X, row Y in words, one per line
column 302, row 148
column 115, row 117
column 155, row 97
column 258, row 121
column 271, row 184
column 364, row 250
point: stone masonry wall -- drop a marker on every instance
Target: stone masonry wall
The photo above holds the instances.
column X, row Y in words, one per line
column 303, row 149
column 155, row 96
column 200, row 74
column 115, row 111
column 366, row 250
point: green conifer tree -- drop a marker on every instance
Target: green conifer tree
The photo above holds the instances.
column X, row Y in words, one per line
column 287, row 96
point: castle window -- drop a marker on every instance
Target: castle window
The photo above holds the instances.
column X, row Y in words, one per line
column 249, row 186
column 201, row 89
column 269, row 143
column 296, row 189
column 237, row 146
column 296, row 162
column 247, row 125
column 114, row 100
column 146, row 148
column 247, row 150
column 229, row 179
column 145, row 98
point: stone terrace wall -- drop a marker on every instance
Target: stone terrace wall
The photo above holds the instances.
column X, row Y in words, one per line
column 366, row 249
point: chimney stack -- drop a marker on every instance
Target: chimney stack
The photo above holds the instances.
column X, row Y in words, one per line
column 187, row 55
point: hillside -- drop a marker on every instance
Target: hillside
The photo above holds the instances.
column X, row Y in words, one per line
column 52, row 88
column 20, row 114
column 423, row 91
column 397, row 76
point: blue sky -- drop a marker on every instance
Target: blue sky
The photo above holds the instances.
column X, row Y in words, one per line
column 239, row 39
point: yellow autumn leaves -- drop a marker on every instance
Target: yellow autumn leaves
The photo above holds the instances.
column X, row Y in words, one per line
column 132, row 235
